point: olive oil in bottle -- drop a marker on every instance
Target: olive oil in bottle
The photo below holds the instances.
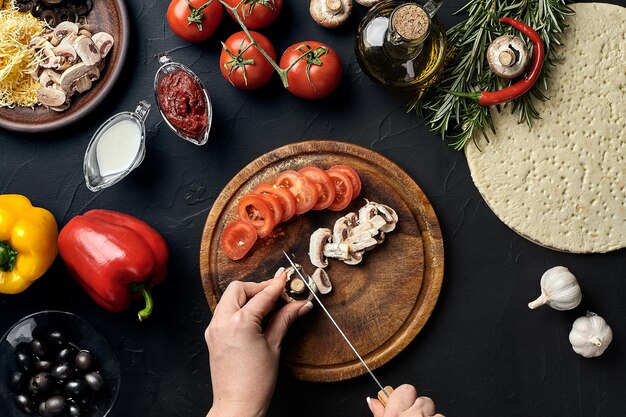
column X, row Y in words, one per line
column 402, row 44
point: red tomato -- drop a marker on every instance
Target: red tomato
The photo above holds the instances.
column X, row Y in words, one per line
column 253, row 209
column 243, row 65
column 354, row 178
column 302, row 188
column 275, row 205
column 343, row 190
column 256, row 14
column 237, row 239
column 194, row 25
column 322, row 64
column 287, row 199
column 325, row 186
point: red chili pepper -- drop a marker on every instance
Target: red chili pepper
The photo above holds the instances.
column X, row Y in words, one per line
column 490, row 98
column 114, row 257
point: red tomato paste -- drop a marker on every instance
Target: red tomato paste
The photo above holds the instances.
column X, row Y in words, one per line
column 182, row 100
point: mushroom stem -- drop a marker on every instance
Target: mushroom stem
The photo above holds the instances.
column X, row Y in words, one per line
column 334, row 6
column 543, row 299
column 596, row 341
column 507, row 58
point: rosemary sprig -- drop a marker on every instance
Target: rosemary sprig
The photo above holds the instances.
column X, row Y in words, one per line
column 467, row 69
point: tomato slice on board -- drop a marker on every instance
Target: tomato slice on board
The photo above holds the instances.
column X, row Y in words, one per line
column 286, row 198
column 301, row 187
column 254, row 209
column 354, row 178
column 343, row 190
column 325, row 186
column 237, row 239
column 275, row 205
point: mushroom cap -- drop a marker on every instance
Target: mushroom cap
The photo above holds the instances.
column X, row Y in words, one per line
column 322, row 281
column 104, row 42
column 508, row 56
column 51, row 97
column 330, row 13
column 64, row 29
column 87, row 50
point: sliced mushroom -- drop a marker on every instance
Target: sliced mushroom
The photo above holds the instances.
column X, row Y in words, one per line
column 337, row 250
column 360, row 242
column 330, row 13
column 72, row 77
column 38, row 42
column 70, row 39
column 49, row 60
column 355, row 258
column 104, row 43
column 85, row 32
column 51, row 97
column 295, row 289
column 318, row 240
column 67, row 54
column 62, row 107
column 368, row 211
column 322, row 281
column 49, row 78
column 508, row 56
column 390, row 216
column 343, row 226
column 64, row 29
column 87, row 51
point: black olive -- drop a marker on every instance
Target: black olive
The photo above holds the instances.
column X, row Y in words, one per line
column 40, row 348
column 74, row 410
column 24, row 404
column 24, row 348
column 42, row 366
column 42, row 409
column 25, row 7
column 76, row 388
column 17, row 382
column 56, row 338
column 62, row 371
column 84, row 360
column 42, row 383
column 24, row 362
column 95, row 381
column 55, row 406
column 36, row 10
column 67, row 355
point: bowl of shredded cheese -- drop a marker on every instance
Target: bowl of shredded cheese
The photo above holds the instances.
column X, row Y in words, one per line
column 19, row 106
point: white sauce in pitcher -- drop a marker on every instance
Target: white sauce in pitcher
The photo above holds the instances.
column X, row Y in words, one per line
column 118, row 146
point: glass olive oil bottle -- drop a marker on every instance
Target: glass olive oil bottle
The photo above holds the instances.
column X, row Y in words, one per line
column 402, row 44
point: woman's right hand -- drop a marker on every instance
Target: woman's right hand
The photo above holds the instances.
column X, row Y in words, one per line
column 404, row 402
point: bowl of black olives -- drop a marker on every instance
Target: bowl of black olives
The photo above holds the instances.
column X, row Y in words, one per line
column 54, row 363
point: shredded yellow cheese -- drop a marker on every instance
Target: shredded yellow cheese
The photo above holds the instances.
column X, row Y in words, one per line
column 17, row 60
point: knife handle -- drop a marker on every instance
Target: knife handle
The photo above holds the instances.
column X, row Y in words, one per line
column 383, row 395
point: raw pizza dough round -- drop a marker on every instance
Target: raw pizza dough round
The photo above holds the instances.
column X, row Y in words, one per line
column 562, row 184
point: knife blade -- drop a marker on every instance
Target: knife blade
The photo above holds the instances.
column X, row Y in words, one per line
column 384, row 392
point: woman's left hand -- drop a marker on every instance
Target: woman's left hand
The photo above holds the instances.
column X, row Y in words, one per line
column 244, row 358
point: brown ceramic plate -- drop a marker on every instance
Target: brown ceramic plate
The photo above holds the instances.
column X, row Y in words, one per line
column 109, row 16
column 381, row 303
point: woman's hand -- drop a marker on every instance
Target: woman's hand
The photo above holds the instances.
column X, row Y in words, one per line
column 243, row 357
column 404, row 402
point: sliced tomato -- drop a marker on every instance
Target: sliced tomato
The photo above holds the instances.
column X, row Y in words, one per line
column 237, row 239
column 254, row 209
column 343, row 190
column 301, row 187
column 286, row 198
column 354, row 178
column 275, row 205
column 325, row 186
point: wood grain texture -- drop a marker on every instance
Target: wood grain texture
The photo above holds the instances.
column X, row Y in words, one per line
column 106, row 16
column 381, row 304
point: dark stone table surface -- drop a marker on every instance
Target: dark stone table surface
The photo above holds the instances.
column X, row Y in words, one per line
column 482, row 353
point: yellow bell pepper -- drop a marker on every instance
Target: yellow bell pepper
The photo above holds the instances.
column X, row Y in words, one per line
column 28, row 242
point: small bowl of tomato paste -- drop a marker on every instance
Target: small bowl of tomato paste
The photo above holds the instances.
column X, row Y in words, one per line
column 183, row 101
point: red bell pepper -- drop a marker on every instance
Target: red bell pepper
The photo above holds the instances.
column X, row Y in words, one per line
column 114, row 257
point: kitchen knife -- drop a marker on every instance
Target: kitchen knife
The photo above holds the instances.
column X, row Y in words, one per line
column 383, row 394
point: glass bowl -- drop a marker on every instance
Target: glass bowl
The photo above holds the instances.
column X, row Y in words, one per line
column 79, row 332
column 170, row 67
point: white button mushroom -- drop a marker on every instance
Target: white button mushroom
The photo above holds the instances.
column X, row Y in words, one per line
column 508, row 56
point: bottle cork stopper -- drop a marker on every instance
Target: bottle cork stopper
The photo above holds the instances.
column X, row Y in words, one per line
column 410, row 21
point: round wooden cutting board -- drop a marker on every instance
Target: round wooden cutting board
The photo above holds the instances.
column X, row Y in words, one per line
column 381, row 303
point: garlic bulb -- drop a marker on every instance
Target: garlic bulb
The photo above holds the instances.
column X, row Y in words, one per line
column 559, row 290
column 590, row 335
